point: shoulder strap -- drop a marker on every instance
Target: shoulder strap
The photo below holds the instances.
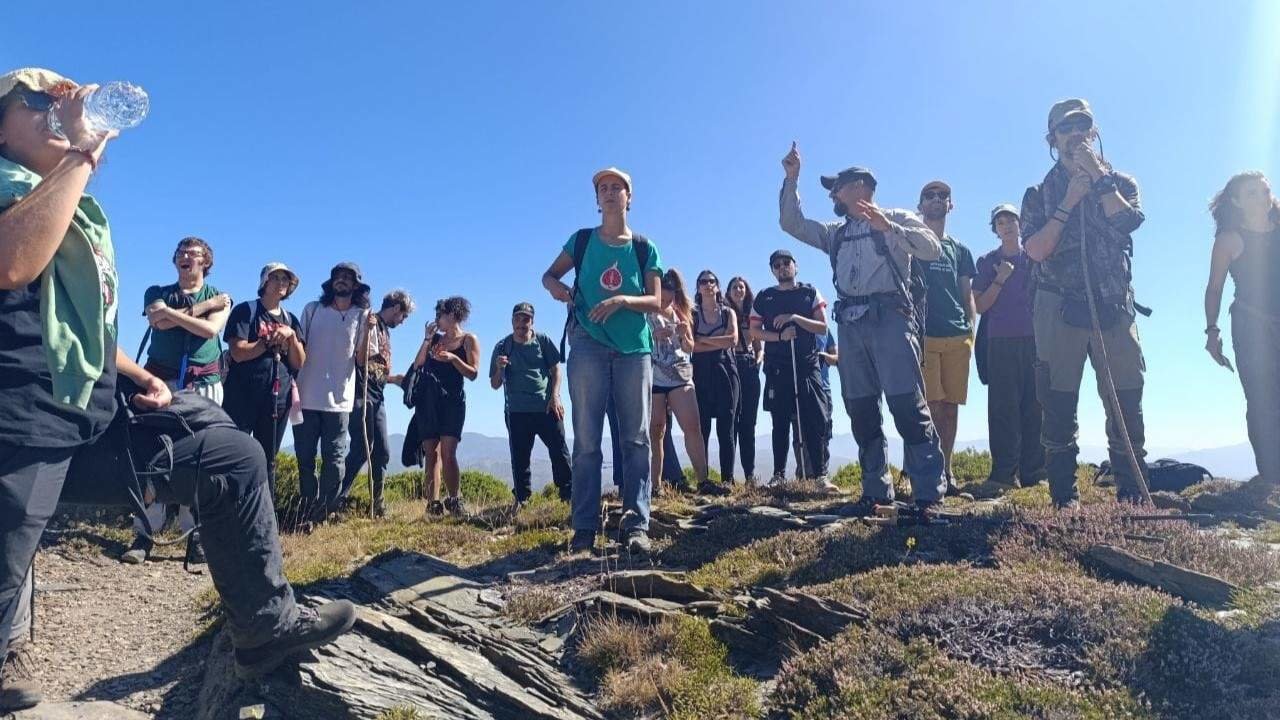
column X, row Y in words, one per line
column 580, row 240
column 640, row 244
column 146, row 338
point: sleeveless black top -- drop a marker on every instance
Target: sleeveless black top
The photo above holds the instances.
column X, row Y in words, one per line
column 1256, row 272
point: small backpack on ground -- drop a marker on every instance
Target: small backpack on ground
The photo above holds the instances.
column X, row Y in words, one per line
column 1165, row 475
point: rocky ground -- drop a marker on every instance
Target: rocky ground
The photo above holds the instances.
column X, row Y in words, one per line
column 769, row 603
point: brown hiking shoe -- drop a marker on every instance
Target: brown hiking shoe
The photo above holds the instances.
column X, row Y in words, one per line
column 18, row 688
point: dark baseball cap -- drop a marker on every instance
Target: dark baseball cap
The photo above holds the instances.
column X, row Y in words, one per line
column 848, row 174
column 1064, row 109
column 781, row 255
column 523, row 308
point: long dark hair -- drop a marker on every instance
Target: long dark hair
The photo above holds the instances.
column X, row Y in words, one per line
column 719, row 291
column 673, row 282
column 748, row 300
column 359, row 296
column 1226, row 216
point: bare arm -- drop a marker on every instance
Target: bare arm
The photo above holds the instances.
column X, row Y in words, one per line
column 243, row 350
column 551, row 278
column 723, row 341
column 985, row 299
column 207, row 327
column 469, row 362
column 966, row 292
column 1226, row 248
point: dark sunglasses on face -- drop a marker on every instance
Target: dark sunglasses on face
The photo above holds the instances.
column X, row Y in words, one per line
column 36, row 100
column 935, row 195
column 780, row 264
column 707, row 281
column 1078, row 125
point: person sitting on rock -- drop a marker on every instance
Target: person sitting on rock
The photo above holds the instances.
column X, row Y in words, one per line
column 59, row 301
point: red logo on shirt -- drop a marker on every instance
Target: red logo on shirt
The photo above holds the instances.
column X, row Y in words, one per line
column 611, row 279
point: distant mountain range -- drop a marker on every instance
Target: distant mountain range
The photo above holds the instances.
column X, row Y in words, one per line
column 491, row 455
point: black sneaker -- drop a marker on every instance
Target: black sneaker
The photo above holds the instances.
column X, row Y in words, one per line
column 379, row 508
column 952, row 488
column 18, row 688
column 454, row 505
column 706, row 487
column 638, row 542
column 138, row 552
column 923, row 512
column 583, row 541
column 312, row 629
column 195, row 551
column 435, row 508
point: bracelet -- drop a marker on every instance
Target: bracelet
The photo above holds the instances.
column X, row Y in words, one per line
column 1061, row 215
column 93, row 162
column 1211, row 329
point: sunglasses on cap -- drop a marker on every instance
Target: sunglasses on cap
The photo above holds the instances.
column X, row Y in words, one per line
column 1080, row 124
column 935, row 195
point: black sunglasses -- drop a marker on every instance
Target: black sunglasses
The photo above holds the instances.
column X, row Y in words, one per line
column 935, row 195
column 1077, row 125
column 36, row 100
column 708, row 281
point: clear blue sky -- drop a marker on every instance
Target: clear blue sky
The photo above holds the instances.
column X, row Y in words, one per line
column 448, row 147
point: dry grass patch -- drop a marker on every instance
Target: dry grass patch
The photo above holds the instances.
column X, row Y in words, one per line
column 675, row 667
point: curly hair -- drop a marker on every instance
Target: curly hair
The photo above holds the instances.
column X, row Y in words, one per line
column 456, row 305
column 193, row 241
column 1226, row 215
column 400, row 299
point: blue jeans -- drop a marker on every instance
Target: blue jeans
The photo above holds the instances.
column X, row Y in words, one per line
column 596, row 374
column 329, row 429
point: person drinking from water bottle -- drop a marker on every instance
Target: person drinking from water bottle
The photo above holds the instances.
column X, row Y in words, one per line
column 1084, row 209
column 878, row 328
column 448, row 356
column 787, row 318
column 266, row 349
column 186, row 320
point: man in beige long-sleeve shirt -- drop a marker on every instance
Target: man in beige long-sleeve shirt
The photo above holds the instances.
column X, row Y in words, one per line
column 870, row 250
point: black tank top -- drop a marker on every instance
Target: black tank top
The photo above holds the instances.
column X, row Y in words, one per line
column 447, row 378
column 1256, row 272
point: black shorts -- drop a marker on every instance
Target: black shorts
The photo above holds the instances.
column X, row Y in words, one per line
column 657, row 390
column 439, row 418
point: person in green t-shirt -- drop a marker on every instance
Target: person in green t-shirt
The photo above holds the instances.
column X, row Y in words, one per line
column 949, row 323
column 617, row 278
column 527, row 365
column 186, row 319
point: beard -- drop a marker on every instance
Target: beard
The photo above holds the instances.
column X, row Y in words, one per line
column 344, row 293
column 840, row 209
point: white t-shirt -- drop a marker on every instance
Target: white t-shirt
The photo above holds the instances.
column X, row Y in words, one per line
column 327, row 381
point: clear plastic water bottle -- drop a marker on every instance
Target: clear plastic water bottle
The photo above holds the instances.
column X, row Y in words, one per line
column 117, row 105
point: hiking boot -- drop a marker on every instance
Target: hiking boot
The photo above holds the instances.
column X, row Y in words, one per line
column 18, row 688
column 454, row 505
column 824, row 482
column 312, row 629
column 565, row 492
column 583, row 541
column 952, row 488
column 706, row 487
column 750, row 481
column 864, row 507
column 637, row 542
column 435, row 508
column 379, row 509
column 195, row 551
column 990, row 489
column 138, row 552
column 922, row 511
column 778, row 479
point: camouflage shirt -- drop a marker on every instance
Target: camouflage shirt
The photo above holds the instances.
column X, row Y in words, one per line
column 1110, row 242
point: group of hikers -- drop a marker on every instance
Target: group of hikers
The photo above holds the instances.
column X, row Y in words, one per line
column 646, row 352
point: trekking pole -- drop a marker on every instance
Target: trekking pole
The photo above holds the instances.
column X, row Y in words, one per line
column 1112, row 395
column 802, row 449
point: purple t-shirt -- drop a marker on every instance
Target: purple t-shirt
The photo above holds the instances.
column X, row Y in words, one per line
column 1010, row 315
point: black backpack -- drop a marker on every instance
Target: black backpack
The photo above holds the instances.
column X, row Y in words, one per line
column 1167, row 475
column 639, row 243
